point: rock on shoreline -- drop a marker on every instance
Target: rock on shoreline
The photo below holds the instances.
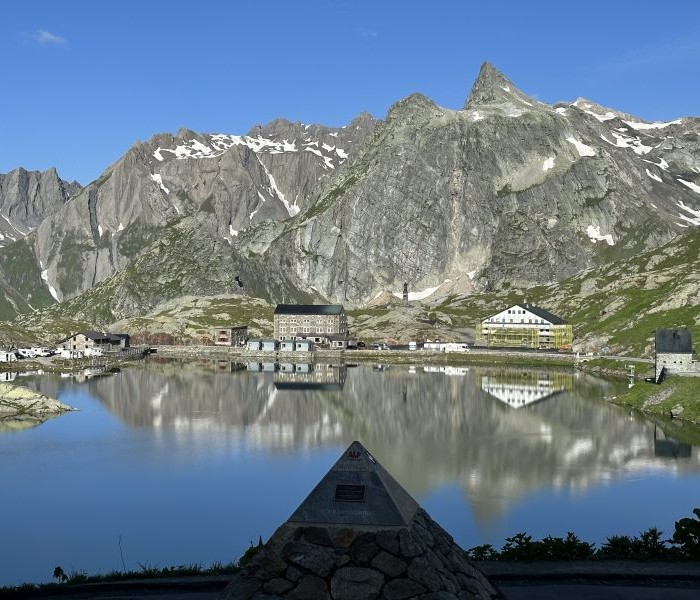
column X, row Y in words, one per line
column 21, row 407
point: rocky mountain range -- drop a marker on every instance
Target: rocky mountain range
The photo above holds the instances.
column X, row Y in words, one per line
column 506, row 191
column 27, row 198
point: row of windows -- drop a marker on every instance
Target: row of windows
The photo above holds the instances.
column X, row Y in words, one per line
column 306, row 330
column 503, row 320
column 308, row 320
column 546, row 332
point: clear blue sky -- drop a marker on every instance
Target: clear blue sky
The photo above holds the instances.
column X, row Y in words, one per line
column 82, row 80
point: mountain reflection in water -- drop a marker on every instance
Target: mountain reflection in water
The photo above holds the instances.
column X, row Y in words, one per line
column 498, row 433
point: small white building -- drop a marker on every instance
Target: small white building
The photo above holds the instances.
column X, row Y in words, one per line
column 254, row 345
column 7, row 356
column 303, row 345
column 269, row 345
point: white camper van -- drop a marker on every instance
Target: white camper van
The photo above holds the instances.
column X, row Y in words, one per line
column 7, row 356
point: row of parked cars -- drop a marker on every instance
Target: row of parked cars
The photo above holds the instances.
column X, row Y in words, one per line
column 21, row 353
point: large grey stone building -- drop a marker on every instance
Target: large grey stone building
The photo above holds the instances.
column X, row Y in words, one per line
column 309, row 321
column 674, row 353
column 94, row 339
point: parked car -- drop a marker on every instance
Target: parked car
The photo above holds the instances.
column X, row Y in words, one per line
column 380, row 346
column 25, row 353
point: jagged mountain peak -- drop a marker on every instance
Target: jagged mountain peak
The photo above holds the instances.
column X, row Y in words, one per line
column 492, row 87
column 410, row 105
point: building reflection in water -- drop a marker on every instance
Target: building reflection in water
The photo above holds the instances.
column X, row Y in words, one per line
column 522, row 388
column 430, row 427
column 447, row 370
column 303, row 376
column 666, row 446
column 306, row 376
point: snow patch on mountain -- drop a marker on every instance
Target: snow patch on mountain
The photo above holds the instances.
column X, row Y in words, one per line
column 17, row 229
column 159, row 180
column 587, row 108
column 292, row 209
column 657, row 125
column 693, row 186
column 654, row 177
column 695, row 220
column 45, row 277
column 626, row 141
column 414, row 296
column 593, row 232
column 219, row 143
column 662, row 164
column 548, row 164
column 314, row 150
column 581, row 148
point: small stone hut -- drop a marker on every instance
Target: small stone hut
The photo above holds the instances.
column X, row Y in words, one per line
column 360, row 535
column 673, row 349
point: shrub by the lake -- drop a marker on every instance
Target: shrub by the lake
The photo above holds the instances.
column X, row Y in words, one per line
column 648, row 545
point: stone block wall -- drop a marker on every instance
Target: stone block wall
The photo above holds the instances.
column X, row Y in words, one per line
column 676, row 363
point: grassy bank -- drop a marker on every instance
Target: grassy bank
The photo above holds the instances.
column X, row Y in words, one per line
column 680, row 395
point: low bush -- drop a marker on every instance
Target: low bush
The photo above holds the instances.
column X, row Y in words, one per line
column 648, row 545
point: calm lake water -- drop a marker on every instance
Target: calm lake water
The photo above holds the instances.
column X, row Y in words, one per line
column 172, row 462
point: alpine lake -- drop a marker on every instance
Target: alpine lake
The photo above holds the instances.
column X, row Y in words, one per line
column 173, row 462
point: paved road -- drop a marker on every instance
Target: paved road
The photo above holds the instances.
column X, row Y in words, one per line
column 603, row 580
column 602, row 591
column 599, row 580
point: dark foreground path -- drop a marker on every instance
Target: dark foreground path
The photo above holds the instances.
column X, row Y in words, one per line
column 605, row 580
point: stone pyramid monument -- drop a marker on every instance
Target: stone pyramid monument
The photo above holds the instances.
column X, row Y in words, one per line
column 359, row 535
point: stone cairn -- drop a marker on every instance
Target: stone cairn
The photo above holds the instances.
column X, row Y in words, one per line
column 359, row 535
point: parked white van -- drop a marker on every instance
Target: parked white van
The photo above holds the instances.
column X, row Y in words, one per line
column 26, row 353
column 7, row 356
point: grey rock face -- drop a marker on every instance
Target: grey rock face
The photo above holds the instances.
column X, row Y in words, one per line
column 27, row 198
column 234, row 181
column 506, row 190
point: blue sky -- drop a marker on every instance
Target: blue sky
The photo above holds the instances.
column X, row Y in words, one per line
column 83, row 79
